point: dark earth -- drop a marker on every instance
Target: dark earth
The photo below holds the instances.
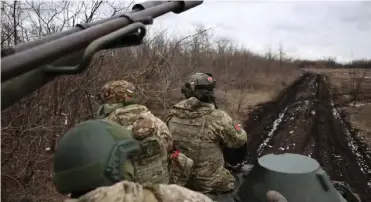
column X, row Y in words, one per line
column 303, row 119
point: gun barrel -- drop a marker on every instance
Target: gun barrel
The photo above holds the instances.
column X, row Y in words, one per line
column 79, row 27
column 23, row 68
column 24, row 61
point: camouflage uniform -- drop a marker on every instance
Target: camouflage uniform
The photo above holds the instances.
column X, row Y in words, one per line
column 126, row 113
column 133, row 192
column 143, row 125
column 180, row 168
column 200, row 131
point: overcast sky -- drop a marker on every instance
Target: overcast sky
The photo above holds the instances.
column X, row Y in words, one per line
column 307, row 30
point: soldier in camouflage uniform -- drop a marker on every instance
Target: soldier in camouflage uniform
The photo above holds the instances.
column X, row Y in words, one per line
column 93, row 163
column 98, row 153
column 201, row 131
column 120, row 107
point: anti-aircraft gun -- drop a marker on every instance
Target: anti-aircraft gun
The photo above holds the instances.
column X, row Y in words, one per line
column 29, row 66
column 297, row 177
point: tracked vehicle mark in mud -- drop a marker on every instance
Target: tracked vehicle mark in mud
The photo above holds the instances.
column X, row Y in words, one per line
column 304, row 120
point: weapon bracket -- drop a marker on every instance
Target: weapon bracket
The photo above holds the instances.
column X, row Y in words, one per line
column 148, row 20
column 130, row 35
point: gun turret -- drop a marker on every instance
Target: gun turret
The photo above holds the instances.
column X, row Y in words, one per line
column 29, row 66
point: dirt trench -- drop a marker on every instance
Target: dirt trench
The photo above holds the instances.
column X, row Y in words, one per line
column 303, row 119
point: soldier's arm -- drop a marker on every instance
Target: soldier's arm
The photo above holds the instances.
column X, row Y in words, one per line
column 172, row 192
column 180, row 167
column 113, row 117
column 230, row 132
column 164, row 133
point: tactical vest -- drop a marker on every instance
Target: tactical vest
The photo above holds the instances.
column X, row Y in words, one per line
column 189, row 138
column 150, row 164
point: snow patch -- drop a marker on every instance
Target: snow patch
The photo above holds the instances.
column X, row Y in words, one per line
column 276, row 123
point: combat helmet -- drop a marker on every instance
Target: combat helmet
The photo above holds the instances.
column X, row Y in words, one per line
column 92, row 154
column 117, row 92
column 200, row 86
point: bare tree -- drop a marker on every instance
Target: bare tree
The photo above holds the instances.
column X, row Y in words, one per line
column 32, row 127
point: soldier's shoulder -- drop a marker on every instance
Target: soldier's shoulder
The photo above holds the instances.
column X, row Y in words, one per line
column 159, row 123
column 183, row 103
column 131, row 109
column 137, row 106
column 219, row 114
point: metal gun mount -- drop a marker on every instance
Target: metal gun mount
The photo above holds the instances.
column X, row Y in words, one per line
column 297, row 177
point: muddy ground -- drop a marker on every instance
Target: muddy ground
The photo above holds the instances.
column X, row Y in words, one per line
column 303, row 119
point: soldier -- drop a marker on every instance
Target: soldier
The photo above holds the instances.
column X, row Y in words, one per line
column 152, row 163
column 200, row 131
column 99, row 153
column 120, row 106
column 93, row 162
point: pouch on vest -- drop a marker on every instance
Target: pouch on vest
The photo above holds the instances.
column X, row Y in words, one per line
column 149, row 164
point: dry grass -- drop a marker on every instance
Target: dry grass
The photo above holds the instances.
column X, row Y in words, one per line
column 231, row 101
column 349, row 85
column 339, row 76
column 352, row 92
column 360, row 117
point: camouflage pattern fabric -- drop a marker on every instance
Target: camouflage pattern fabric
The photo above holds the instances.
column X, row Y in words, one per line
column 151, row 163
column 200, row 131
column 134, row 192
column 127, row 115
column 124, row 112
column 180, row 167
column 117, row 91
column 144, row 125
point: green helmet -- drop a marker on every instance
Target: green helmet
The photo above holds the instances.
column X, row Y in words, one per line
column 92, row 154
column 201, row 86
